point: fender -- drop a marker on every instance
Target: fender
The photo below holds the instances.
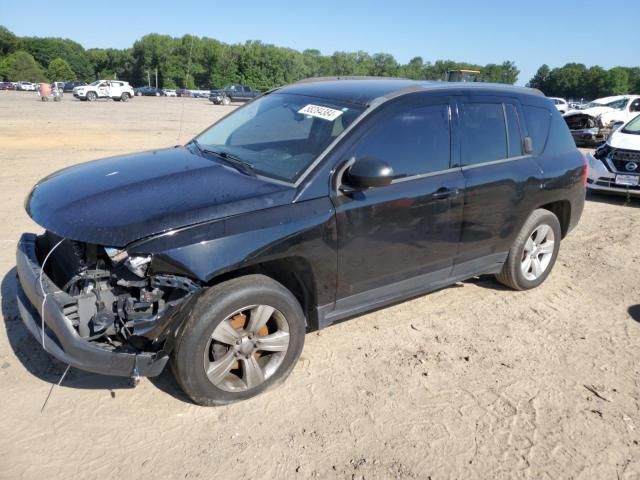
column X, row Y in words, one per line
column 306, row 230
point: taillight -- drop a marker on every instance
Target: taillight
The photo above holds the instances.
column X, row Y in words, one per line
column 584, row 171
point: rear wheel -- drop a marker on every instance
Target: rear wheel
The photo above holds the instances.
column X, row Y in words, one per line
column 243, row 337
column 533, row 253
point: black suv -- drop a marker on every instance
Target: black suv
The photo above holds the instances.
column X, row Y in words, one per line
column 233, row 93
column 317, row 202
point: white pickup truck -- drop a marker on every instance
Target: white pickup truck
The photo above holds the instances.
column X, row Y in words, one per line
column 115, row 89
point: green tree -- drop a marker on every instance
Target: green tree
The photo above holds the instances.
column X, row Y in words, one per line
column 59, row 70
column 618, row 81
column 8, row 41
column 21, row 66
column 540, row 79
column 44, row 50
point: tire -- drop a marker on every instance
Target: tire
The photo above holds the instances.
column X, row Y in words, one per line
column 92, row 97
column 202, row 342
column 527, row 267
column 226, row 101
column 124, row 97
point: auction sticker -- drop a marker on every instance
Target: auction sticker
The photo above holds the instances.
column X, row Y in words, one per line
column 317, row 111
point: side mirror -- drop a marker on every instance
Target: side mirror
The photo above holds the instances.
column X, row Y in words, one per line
column 368, row 172
column 527, row 145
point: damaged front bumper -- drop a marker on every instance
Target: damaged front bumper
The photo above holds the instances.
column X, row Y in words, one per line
column 601, row 179
column 42, row 303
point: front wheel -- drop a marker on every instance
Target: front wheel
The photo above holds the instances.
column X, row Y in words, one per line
column 243, row 337
column 533, row 252
column 124, row 97
column 91, row 96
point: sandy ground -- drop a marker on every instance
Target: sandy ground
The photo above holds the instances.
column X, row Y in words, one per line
column 474, row 381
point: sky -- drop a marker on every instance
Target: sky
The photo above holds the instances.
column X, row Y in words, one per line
column 531, row 33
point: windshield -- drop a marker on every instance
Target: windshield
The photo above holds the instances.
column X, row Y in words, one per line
column 280, row 134
column 618, row 104
column 633, row 126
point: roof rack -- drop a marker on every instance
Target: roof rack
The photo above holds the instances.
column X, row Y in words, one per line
column 347, row 77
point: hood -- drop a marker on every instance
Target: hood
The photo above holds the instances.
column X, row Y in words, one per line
column 116, row 201
column 626, row 141
column 593, row 111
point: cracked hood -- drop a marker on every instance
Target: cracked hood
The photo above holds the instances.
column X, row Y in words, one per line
column 593, row 111
column 118, row 200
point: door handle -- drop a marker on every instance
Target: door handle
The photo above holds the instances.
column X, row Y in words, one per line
column 444, row 193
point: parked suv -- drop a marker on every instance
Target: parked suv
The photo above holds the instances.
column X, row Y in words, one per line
column 220, row 254
column 115, row 89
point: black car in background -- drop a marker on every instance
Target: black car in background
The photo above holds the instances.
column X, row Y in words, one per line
column 148, row 91
column 69, row 86
column 316, row 202
column 233, row 93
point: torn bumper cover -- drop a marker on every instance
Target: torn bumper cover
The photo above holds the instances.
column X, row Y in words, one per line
column 60, row 338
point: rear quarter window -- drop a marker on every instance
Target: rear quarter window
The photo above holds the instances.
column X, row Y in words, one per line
column 538, row 120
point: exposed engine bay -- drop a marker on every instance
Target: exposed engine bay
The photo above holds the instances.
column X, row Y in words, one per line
column 580, row 121
column 118, row 302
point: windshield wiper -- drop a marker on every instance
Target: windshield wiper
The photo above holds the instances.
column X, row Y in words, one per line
column 229, row 158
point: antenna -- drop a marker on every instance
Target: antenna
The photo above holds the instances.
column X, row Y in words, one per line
column 186, row 79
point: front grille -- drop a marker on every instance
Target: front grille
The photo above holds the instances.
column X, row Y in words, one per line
column 621, row 158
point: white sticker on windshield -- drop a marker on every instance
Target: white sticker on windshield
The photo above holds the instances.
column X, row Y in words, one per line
column 324, row 113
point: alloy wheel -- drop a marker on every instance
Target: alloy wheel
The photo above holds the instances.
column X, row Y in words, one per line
column 537, row 252
column 246, row 348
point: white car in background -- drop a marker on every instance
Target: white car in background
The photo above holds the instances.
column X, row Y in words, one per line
column 26, row 86
column 561, row 104
column 115, row 89
column 169, row 93
column 593, row 123
column 615, row 165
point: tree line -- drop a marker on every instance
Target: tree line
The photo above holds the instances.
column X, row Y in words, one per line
column 576, row 81
column 201, row 62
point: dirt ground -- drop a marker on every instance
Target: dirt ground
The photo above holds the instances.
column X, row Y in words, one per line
column 473, row 381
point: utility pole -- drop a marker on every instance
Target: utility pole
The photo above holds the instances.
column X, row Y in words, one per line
column 148, row 79
column 156, row 78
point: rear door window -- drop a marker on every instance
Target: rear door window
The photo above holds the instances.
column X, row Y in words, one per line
column 513, row 130
column 538, row 121
column 483, row 133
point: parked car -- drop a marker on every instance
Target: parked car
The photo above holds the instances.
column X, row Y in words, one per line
column 615, row 166
column 220, row 254
column 183, row 92
column 233, row 93
column 7, row 86
column 69, row 86
column 148, row 91
column 114, row 89
column 26, row 86
column 561, row 104
column 169, row 92
column 200, row 93
column 591, row 125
